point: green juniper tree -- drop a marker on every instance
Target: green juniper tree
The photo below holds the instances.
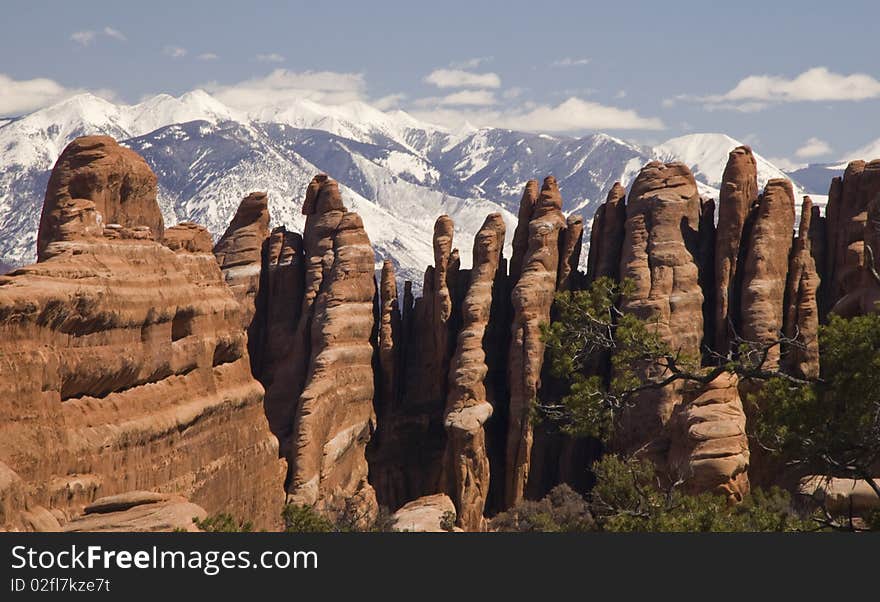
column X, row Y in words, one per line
column 829, row 425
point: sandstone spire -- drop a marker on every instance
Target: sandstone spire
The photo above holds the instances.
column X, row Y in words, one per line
column 532, row 298
column 468, row 406
column 848, row 206
column 765, row 267
column 571, row 243
column 606, row 236
column 739, row 191
column 334, row 415
column 240, row 251
column 156, row 393
column 95, row 174
column 281, row 359
column 709, row 449
column 521, row 233
column 801, row 307
column 389, row 336
column 659, row 248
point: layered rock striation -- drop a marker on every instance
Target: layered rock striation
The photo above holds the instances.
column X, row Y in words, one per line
column 124, row 363
column 765, row 268
column 468, row 406
column 532, row 298
column 660, row 258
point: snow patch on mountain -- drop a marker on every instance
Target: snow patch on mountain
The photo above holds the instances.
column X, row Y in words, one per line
column 706, row 155
column 399, row 173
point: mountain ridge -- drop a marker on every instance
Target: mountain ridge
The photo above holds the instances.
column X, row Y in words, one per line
column 398, row 172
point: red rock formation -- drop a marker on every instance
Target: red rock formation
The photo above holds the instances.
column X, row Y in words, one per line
column 468, row 406
column 279, row 303
column 848, row 203
column 709, row 449
column 663, row 214
column 428, row 366
column 833, row 210
column 606, row 236
column 286, row 377
column 841, row 496
column 571, row 243
column 801, row 307
column 532, row 298
column 190, row 237
column 409, row 450
column 389, row 337
column 521, row 233
column 428, row 514
column 739, row 191
column 126, row 369
column 765, row 267
column 117, row 181
column 137, row 511
column 819, row 250
column 240, row 252
column 334, row 415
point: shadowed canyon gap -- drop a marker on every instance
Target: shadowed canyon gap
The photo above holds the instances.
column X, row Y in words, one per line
column 148, row 374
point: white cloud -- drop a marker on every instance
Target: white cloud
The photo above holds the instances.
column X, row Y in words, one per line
column 570, row 62
column 87, row 37
column 620, row 94
column 283, row 86
column 83, row 38
column 272, row 57
column 115, row 34
column 457, row 78
column 785, row 164
column 174, row 52
column 574, row 114
column 757, row 92
column 392, row 101
column 814, row 147
column 474, row 98
column 207, row 56
column 577, row 114
column 18, row 97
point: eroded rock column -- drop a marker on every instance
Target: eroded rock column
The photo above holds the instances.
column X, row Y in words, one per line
column 532, row 298
column 468, row 406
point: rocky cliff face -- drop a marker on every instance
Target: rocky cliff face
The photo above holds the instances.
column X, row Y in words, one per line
column 659, row 257
column 765, row 267
column 852, row 289
column 532, row 297
column 124, row 362
column 801, row 320
column 709, row 450
column 117, row 181
column 739, row 191
column 606, row 236
column 468, row 406
column 240, row 252
column 127, row 352
column 313, row 319
column 334, row 416
column 279, row 305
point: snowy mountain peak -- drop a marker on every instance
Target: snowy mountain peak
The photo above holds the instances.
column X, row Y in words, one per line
column 706, row 154
column 397, row 171
column 164, row 109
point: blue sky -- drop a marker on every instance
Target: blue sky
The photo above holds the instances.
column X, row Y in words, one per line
column 799, row 81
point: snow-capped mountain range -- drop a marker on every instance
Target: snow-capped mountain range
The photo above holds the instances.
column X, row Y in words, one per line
column 397, row 172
